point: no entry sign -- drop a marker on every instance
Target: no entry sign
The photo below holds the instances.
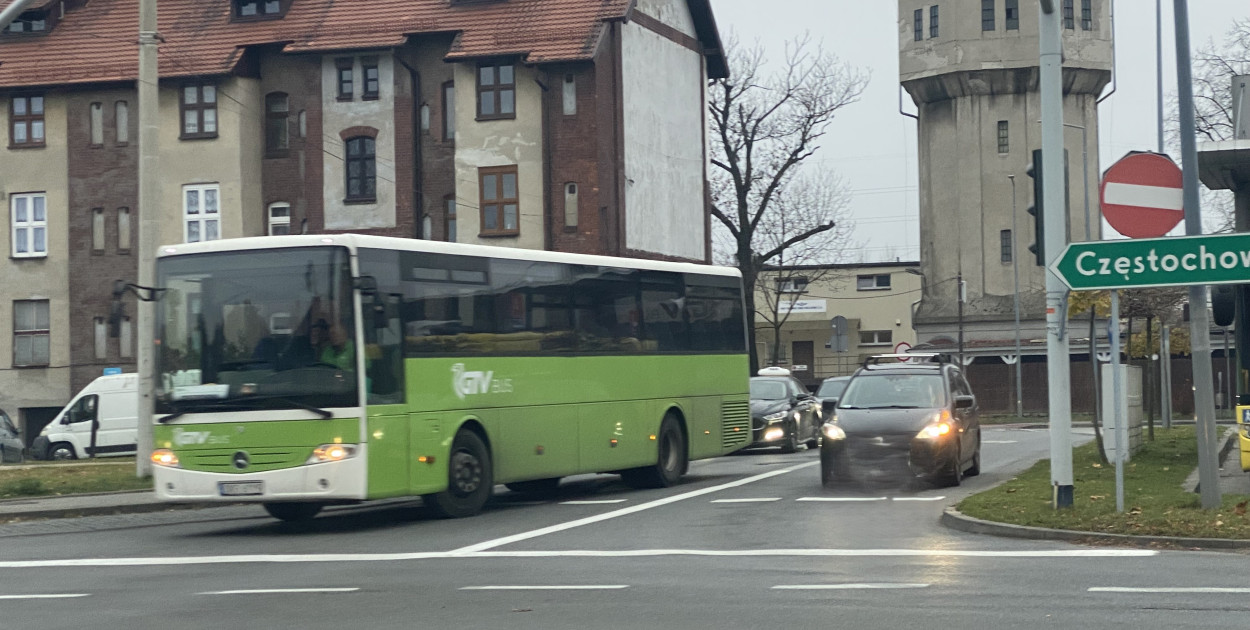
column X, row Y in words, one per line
column 1142, row 195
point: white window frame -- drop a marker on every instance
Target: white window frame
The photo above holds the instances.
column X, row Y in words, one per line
column 34, row 333
column 201, row 217
column 279, row 221
column 23, row 232
column 876, row 336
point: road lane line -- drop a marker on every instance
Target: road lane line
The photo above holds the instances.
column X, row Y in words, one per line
column 917, row 498
column 759, row 500
column 845, row 587
column 165, row 561
column 599, row 502
column 507, row 540
column 46, row 596
column 841, row 499
column 553, row 587
column 269, row 591
column 1169, row 589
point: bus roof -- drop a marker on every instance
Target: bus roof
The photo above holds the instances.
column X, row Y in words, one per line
column 354, row 241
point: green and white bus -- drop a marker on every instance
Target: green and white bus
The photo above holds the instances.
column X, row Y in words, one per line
column 301, row 371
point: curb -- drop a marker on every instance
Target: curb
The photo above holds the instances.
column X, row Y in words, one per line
column 956, row 520
column 141, row 508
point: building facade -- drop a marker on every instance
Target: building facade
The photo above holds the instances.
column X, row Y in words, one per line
column 971, row 68
column 546, row 124
column 802, row 310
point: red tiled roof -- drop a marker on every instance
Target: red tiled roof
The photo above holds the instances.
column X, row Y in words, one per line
column 96, row 43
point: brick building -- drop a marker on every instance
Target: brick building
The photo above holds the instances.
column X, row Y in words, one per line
column 571, row 125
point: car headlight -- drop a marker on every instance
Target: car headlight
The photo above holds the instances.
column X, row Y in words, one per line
column 832, row 431
column 776, row 416
column 165, row 457
column 332, row 453
column 934, row 431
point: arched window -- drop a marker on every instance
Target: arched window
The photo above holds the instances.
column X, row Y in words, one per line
column 361, row 169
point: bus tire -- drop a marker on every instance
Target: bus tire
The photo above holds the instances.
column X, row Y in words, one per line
column 672, row 459
column 293, row 512
column 469, row 478
column 535, row 487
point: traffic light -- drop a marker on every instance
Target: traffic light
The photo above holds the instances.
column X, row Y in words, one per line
column 1034, row 170
column 1223, row 304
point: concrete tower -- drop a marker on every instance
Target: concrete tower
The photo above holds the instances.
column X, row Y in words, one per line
column 971, row 67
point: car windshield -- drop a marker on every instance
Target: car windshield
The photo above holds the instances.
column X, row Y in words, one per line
column 907, row 391
column 255, row 330
column 832, row 389
column 767, row 390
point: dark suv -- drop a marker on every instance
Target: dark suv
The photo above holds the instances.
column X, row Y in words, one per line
column 917, row 418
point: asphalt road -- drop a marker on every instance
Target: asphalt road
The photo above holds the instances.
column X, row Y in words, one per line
column 749, row 541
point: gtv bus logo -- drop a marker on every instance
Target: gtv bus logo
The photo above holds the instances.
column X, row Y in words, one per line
column 468, row 383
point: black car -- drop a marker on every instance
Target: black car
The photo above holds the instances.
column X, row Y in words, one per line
column 11, row 447
column 783, row 412
column 830, row 391
column 917, row 419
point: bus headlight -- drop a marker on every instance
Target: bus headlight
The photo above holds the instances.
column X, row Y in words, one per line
column 331, row 453
column 165, row 457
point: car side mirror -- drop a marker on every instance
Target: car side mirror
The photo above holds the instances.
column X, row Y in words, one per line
column 965, row 402
column 833, row 402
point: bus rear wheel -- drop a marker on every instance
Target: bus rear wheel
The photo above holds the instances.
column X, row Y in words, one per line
column 293, row 512
column 671, row 459
column 470, row 478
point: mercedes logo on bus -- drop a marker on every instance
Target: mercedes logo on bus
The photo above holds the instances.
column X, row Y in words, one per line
column 241, row 460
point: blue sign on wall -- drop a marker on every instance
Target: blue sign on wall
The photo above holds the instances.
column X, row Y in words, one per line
column 109, row 371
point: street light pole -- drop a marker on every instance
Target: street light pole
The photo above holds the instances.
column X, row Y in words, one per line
column 149, row 226
column 963, row 295
column 1015, row 271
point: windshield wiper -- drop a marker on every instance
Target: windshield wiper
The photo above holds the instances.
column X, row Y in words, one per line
column 241, row 403
column 895, row 407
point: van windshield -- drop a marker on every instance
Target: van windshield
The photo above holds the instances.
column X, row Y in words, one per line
column 262, row 329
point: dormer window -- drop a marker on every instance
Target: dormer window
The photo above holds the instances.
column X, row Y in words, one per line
column 30, row 23
column 260, row 9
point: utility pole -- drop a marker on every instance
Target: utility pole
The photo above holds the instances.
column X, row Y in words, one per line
column 149, row 224
column 1050, row 59
column 1199, row 322
column 963, row 296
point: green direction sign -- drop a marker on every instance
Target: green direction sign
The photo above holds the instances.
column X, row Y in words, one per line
column 1155, row 262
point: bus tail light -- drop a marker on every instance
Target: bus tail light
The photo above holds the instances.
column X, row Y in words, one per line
column 332, row 453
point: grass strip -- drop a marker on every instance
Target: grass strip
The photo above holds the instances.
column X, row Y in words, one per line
column 1155, row 504
column 40, row 481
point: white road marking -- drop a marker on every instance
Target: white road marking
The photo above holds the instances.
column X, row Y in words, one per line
column 47, row 596
column 844, row 587
column 1163, row 198
column 1169, row 589
column 917, row 498
column 573, row 553
column 571, row 587
column 998, row 442
column 268, row 591
column 759, row 500
column 841, row 499
column 599, row 502
column 507, row 540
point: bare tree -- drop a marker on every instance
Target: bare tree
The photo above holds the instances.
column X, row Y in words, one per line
column 764, row 129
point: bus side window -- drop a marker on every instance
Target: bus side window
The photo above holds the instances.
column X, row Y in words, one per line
column 383, row 328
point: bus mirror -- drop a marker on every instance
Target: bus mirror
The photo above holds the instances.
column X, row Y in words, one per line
column 367, row 285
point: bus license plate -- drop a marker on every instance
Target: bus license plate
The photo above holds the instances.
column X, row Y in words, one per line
column 241, row 488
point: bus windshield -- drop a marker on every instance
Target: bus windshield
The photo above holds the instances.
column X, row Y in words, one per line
column 258, row 329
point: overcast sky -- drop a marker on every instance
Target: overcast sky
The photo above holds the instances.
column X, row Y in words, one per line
column 874, row 148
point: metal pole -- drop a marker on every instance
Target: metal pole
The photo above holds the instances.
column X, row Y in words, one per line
column 1050, row 59
column 1015, row 271
column 1199, row 322
column 1120, row 442
column 959, row 280
column 149, row 223
column 1165, row 373
column 1159, row 68
column 1229, row 403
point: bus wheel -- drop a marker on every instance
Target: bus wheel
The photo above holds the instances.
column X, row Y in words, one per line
column 671, row 459
column 293, row 512
column 61, row 450
column 469, row 479
column 536, row 487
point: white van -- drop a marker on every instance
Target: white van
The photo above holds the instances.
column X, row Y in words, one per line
column 99, row 421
